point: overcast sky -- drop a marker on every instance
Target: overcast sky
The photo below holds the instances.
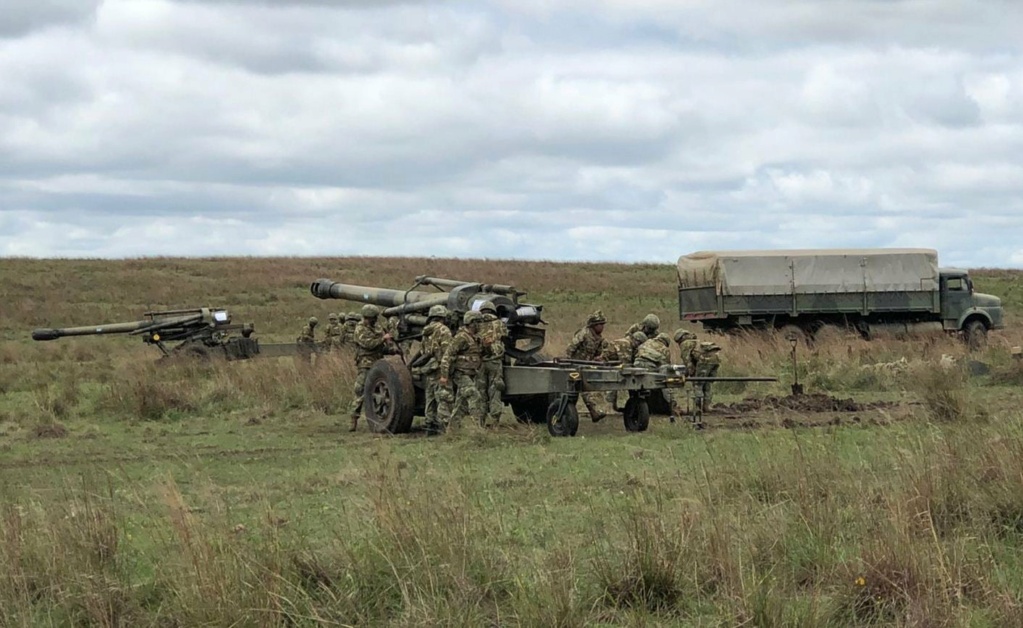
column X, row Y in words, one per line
column 554, row 129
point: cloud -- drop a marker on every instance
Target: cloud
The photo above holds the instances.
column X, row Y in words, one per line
column 566, row 130
column 20, row 17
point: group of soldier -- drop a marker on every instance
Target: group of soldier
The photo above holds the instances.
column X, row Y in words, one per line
column 339, row 333
column 644, row 346
column 461, row 361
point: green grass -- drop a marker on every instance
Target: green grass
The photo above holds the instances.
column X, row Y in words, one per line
column 132, row 494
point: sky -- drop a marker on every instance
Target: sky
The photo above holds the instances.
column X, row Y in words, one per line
column 623, row 130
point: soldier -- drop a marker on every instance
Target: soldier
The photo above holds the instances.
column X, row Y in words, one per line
column 307, row 339
column 588, row 344
column 622, row 350
column 333, row 340
column 649, row 326
column 436, row 337
column 372, row 342
column 652, row 355
column 460, row 366
column 348, row 333
column 687, row 344
column 707, row 364
column 493, row 332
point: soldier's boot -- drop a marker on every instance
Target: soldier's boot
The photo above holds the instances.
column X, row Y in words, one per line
column 355, row 423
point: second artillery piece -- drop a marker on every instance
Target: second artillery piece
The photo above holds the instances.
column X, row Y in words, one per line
column 537, row 389
column 204, row 333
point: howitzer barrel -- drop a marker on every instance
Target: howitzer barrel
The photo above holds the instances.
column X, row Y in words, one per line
column 115, row 328
column 383, row 297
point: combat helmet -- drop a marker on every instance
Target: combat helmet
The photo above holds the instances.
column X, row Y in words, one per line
column 437, row 311
column 471, row 317
column 352, row 316
column 332, row 317
column 638, row 338
column 663, row 338
column 597, row 318
column 650, row 324
column 370, row 311
column 709, row 347
column 313, row 321
column 488, row 306
column 682, row 334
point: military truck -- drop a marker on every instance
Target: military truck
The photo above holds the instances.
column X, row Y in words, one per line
column 803, row 292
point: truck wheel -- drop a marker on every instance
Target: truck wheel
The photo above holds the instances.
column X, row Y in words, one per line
column 637, row 415
column 389, row 398
column 565, row 424
column 976, row 335
column 531, row 409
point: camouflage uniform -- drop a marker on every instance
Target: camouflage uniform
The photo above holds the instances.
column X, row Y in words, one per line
column 622, row 350
column 460, row 366
column 493, row 332
column 707, row 364
column 589, row 345
column 307, row 339
column 348, row 332
column 652, row 355
column 371, row 344
column 649, row 326
column 436, row 337
column 334, row 329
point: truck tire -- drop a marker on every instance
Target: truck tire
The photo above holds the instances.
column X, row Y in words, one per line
column 975, row 334
column 636, row 415
column 567, row 424
column 389, row 398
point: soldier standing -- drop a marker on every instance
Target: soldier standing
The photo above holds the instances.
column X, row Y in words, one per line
column 493, row 332
column 333, row 332
column 707, row 364
column 436, row 337
column 307, row 339
column 622, row 350
column 589, row 345
column 460, row 366
column 649, row 326
column 371, row 344
column 348, row 332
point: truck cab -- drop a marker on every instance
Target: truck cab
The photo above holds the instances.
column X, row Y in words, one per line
column 964, row 309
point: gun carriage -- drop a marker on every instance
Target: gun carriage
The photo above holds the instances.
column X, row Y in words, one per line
column 538, row 389
column 202, row 333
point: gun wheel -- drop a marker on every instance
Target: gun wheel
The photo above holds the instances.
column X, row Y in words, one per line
column 565, row 422
column 636, row 415
column 389, row 397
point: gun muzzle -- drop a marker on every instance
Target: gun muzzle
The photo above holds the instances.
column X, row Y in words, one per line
column 45, row 334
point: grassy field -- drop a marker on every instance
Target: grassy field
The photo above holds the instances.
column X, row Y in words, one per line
column 229, row 494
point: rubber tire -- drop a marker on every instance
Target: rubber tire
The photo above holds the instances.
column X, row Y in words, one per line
column 531, row 409
column 636, row 415
column 569, row 424
column 389, row 399
column 975, row 334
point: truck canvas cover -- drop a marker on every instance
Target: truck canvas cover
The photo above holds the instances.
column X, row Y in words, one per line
column 738, row 273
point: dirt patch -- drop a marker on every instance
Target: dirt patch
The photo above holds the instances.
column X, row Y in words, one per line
column 800, row 403
column 49, row 430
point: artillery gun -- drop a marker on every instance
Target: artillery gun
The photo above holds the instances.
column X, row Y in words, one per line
column 198, row 332
column 537, row 389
